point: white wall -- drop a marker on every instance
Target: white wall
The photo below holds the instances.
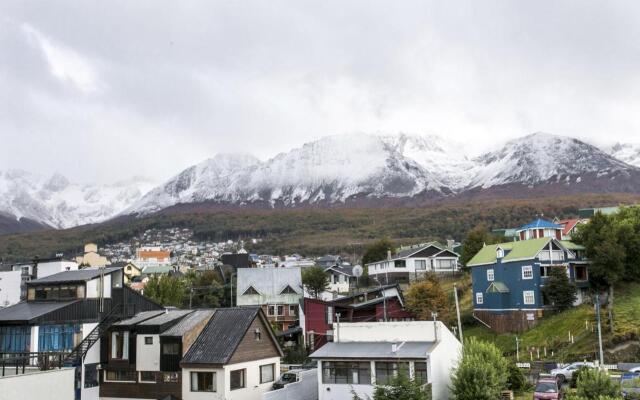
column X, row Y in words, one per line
column 56, row 384
column 442, row 361
column 93, row 287
column 253, row 389
column 10, row 282
column 93, row 356
column 53, row 267
column 403, row 331
column 147, row 355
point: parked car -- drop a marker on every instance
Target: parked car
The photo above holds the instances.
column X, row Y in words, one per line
column 630, row 385
column 565, row 373
column 287, row 378
column 635, row 370
column 547, row 389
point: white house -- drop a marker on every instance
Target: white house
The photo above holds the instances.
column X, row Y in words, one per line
column 236, row 357
column 410, row 263
column 10, row 282
column 341, row 278
column 365, row 354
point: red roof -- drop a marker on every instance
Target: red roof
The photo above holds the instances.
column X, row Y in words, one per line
column 568, row 225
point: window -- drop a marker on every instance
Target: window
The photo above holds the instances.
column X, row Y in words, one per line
column 445, row 264
column 400, row 263
column 420, row 372
column 329, row 315
column 266, row 373
column 148, row 376
column 120, row 345
column 90, row 375
column 387, row 370
column 120, row 376
column 544, row 271
column 499, row 253
column 57, row 337
column 271, row 311
column 527, row 272
column 236, row 379
column 293, row 310
column 148, row 340
column 479, row 298
column 170, row 377
column 257, row 334
column 581, row 273
column 15, row 339
column 203, row 382
column 171, row 348
column 420, row 265
column 529, row 297
column 280, row 310
column 346, row 372
column 490, row 275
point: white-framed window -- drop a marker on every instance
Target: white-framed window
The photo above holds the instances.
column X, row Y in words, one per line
column 420, row 265
column 120, row 345
column 490, row 275
column 529, row 297
column 527, row 272
column 499, row 253
column 479, row 298
column 147, row 377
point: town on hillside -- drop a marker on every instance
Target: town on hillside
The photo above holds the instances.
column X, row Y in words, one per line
column 546, row 307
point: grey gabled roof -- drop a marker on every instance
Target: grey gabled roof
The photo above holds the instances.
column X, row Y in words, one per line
column 219, row 339
column 373, row 350
column 81, row 275
column 165, row 317
column 269, row 281
column 28, row 310
column 188, row 323
column 139, row 317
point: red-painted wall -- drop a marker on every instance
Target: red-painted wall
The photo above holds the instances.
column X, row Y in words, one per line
column 315, row 319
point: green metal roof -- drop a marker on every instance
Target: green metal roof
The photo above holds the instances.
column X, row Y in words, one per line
column 520, row 250
column 569, row 245
column 497, row 287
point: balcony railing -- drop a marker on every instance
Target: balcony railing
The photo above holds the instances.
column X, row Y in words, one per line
column 554, row 255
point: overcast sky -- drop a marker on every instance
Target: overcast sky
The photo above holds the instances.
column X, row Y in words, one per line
column 109, row 89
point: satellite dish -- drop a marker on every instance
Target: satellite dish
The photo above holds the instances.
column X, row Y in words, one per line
column 357, row 271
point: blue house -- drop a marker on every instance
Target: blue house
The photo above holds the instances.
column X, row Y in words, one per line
column 508, row 277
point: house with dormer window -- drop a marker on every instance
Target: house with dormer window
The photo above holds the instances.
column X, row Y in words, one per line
column 508, row 277
column 276, row 290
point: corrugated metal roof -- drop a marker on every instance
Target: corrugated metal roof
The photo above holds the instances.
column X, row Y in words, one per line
column 28, row 310
column 80, row 275
column 404, row 253
column 165, row 317
column 520, row 250
column 139, row 317
column 374, row 350
column 218, row 340
column 269, row 281
column 540, row 223
column 187, row 323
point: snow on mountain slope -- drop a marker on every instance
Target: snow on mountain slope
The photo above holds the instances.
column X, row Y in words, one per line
column 331, row 169
column 627, row 152
column 56, row 202
column 542, row 157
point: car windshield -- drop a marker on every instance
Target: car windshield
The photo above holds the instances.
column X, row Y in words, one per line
column 288, row 378
column 546, row 387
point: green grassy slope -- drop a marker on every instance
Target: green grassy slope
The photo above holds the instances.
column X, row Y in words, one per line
column 553, row 332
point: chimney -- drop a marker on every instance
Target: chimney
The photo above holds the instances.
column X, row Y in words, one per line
column 388, row 254
column 450, row 244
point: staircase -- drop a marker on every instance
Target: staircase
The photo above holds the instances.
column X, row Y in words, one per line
column 80, row 351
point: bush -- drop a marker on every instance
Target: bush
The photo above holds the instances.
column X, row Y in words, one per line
column 594, row 383
column 516, row 380
column 576, row 375
column 482, row 373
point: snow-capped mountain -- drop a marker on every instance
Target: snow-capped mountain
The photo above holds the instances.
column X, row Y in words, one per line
column 543, row 158
column 332, row 169
column 342, row 169
column 627, row 152
column 337, row 169
column 55, row 202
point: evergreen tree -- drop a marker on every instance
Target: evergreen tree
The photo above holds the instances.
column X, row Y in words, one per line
column 559, row 290
column 595, row 383
column 475, row 240
column 377, row 251
column 482, row 372
column 315, row 280
column 166, row 290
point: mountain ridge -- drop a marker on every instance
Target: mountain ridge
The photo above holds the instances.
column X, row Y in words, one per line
column 339, row 170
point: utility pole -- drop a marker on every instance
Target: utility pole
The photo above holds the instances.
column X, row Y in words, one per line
column 599, row 329
column 455, row 293
column 337, row 340
column 517, row 350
